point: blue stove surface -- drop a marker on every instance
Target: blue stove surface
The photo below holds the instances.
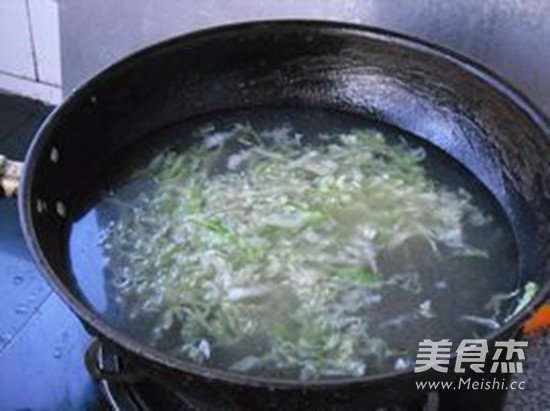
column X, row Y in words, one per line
column 41, row 342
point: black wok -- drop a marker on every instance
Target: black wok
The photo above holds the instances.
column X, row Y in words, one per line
column 435, row 94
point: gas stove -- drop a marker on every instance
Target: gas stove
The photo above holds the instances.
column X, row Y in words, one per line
column 121, row 392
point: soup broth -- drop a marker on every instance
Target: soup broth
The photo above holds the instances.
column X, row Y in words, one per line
column 296, row 244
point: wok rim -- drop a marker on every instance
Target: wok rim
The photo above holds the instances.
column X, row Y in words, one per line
column 174, row 364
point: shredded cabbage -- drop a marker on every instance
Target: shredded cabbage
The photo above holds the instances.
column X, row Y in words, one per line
column 259, row 251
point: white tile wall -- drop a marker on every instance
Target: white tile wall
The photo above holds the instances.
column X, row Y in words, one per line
column 45, row 31
column 29, row 49
column 15, row 39
column 33, row 89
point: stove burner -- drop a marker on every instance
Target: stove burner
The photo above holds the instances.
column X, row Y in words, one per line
column 132, row 396
column 123, row 393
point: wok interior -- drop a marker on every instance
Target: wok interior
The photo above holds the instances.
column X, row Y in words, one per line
column 292, row 65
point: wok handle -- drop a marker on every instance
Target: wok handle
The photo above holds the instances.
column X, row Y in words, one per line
column 10, row 175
